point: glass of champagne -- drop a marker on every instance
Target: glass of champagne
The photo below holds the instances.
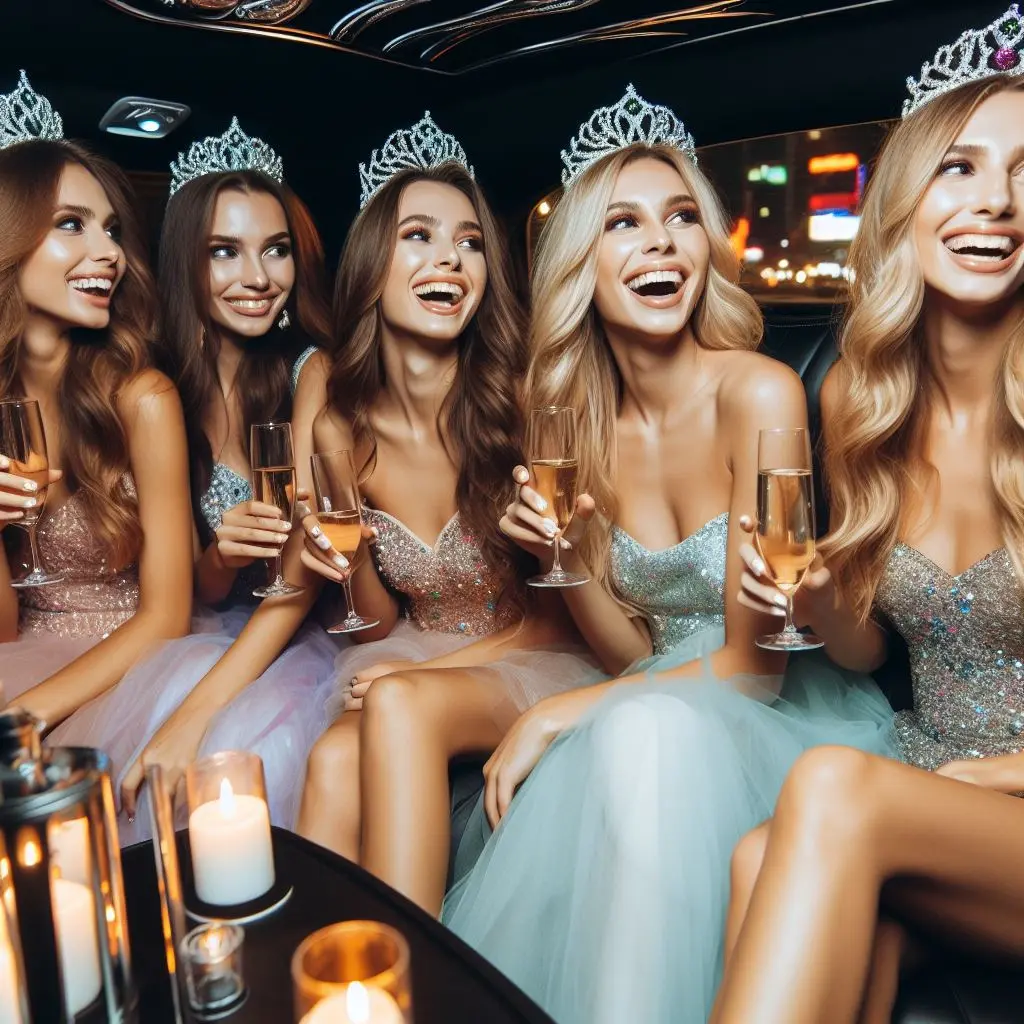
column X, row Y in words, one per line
column 785, row 523
column 23, row 441
column 339, row 513
column 554, row 467
column 273, row 483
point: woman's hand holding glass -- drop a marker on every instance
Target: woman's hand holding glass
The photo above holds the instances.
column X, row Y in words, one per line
column 528, row 522
column 321, row 557
column 18, row 493
column 251, row 531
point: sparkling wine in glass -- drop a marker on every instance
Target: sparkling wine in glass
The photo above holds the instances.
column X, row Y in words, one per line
column 23, row 441
column 785, row 524
column 339, row 513
column 273, row 482
column 554, row 467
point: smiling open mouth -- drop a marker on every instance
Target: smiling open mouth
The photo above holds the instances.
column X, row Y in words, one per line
column 101, row 286
column 656, row 283
column 446, row 292
column 251, row 304
column 993, row 248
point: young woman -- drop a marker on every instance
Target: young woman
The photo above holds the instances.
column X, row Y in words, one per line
column 241, row 270
column 423, row 393
column 619, row 841
column 924, row 437
column 77, row 308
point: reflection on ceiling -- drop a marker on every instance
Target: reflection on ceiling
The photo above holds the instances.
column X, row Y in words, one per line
column 456, row 36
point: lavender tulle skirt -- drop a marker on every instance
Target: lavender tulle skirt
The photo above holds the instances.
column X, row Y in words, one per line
column 279, row 716
column 519, row 678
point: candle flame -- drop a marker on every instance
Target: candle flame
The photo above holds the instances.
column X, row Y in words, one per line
column 31, row 855
column 357, row 1003
column 227, row 799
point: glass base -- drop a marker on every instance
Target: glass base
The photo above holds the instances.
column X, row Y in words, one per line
column 558, row 578
column 279, row 588
column 38, row 578
column 789, row 642
column 353, row 624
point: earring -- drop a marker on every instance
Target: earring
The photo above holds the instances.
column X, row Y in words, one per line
column 284, row 321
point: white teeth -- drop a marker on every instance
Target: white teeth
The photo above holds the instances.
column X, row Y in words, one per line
column 656, row 277
column 250, row 303
column 446, row 287
column 996, row 245
column 88, row 284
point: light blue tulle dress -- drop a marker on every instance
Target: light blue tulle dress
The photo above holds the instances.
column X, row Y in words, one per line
column 603, row 893
column 279, row 716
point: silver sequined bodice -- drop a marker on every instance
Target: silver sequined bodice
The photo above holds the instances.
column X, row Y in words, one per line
column 966, row 639
column 679, row 590
column 448, row 587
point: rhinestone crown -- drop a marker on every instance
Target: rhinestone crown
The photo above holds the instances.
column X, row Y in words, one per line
column 423, row 147
column 232, row 151
column 631, row 120
column 978, row 53
column 24, row 115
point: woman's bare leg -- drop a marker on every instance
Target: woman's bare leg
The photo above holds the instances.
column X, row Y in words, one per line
column 414, row 723
column 330, row 809
column 847, row 823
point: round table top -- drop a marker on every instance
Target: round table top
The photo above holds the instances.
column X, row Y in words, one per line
column 450, row 982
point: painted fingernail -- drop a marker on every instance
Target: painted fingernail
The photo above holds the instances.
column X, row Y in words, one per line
column 30, row 485
column 781, row 612
column 550, row 527
column 323, row 543
column 780, row 600
column 4, row 462
column 315, row 532
column 31, row 502
column 542, row 505
column 131, row 819
column 285, row 527
column 340, row 561
column 758, row 566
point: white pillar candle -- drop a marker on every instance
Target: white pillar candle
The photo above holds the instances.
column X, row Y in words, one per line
column 69, row 847
column 356, row 1004
column 75, row 914
column 232, row 852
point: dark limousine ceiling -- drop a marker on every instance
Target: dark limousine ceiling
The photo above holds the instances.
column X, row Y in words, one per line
column 512, row 78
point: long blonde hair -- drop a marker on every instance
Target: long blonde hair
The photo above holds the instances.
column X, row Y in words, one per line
column 571, row 362
column 872, row 442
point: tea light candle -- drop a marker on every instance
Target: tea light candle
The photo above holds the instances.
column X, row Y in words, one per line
column 212, row 958
column 75, row 915
column 357, row 1004
column 232, row 852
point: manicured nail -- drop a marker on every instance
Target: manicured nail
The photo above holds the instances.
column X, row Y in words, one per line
column 30, row 485
column 315, row 532
column 550, row 527
column 131, row 819
column 4, row 462
column 285, row 527
column 781, row 612
column 542, row 505
column 31, row 502
column 781, row 601
column 758, row 566
column 340, row 561
column 323, row 543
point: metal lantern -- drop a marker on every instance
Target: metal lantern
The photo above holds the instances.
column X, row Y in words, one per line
column 63, row 931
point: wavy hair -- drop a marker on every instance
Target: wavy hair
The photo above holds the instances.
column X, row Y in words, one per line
column 872, row 442
column 571, row 361
column 190, row 341
column 94, row 445
column 480, row 419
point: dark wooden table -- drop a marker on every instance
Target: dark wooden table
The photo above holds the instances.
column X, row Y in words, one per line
column 451, row 983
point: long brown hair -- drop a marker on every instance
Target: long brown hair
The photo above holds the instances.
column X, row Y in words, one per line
column 94, row 451
column 571, row 362
column 480, row 419
column 872, row 446
column 189, row 342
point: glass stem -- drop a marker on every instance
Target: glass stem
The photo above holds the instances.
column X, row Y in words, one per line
column 34, row 548
column 346, row 584
column 556, row 565
column 789, row 627
column 277, row 569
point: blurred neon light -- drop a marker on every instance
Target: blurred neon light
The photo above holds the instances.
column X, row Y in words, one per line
column 833, row 163
column 833, row 227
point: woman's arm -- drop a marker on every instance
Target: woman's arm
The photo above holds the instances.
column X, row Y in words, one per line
column 8, row 601
column 157, row 449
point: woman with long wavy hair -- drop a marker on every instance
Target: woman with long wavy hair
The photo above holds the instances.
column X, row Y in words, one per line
column 619, row 840
column 244, row 322
column 923, row 422
column 423, row 392
column 77, row 314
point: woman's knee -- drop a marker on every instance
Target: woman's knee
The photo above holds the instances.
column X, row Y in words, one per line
column 747, row 858
column 334, row 758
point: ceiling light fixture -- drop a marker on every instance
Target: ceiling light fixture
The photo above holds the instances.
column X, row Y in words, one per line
column 144, row 118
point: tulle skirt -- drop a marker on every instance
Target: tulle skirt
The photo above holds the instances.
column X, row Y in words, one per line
column 519, row 678
column 279, row 716
column 603, row 893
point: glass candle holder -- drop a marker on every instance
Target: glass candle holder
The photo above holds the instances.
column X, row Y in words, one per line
column 211, row 959
column 356, row 972
column 229, row 829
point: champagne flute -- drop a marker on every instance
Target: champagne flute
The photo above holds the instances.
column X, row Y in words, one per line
column 339, row 513
column 554, row 467
column 785, row 523
column 23, row 441
column 273, row 482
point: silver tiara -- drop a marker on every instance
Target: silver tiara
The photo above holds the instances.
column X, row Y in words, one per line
column 422, row 147
column 978, row 53
column 24, row 115
column 232, row 151
column 631, row 120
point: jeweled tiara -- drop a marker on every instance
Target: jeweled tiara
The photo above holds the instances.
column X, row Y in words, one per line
column 25, row 115
column 631, row 120
column 978, row 53
column 232, row 151
column 422, row 147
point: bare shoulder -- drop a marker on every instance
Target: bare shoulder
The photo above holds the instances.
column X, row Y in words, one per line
column 151, row 395
column 754, row 385
column 331, row 428
column 315, row 371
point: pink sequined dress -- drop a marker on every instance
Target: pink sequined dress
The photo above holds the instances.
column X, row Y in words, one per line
column 450, row 598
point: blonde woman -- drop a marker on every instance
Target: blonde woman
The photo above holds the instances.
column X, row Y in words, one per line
column 619, row 842
column 924, row 424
